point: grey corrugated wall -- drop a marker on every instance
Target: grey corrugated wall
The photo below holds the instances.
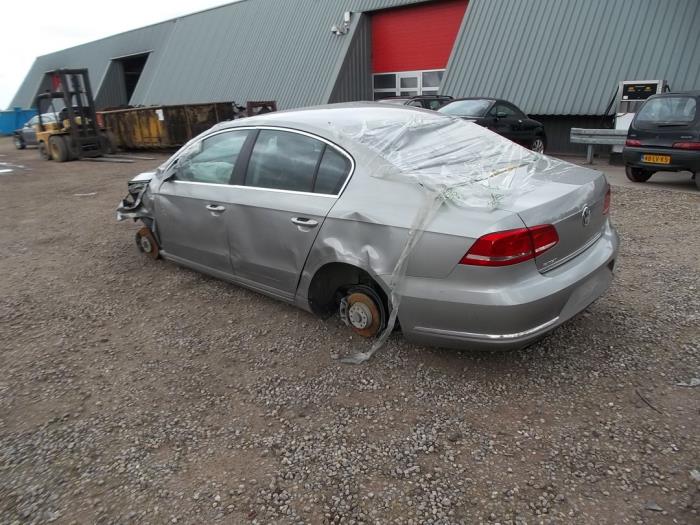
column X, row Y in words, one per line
column 96, row 57
column 112, row 92
column 250, row 50
column 557, row 57
column 354, row 80
column 254, row 50
column 548, row 56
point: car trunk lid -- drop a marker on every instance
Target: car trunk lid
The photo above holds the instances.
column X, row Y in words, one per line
column 572, row 200
column 663, row 136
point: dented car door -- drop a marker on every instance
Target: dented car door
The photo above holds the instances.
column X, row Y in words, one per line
column 194, row 200
column 290, row 183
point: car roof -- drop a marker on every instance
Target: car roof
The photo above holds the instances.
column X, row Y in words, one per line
column 490, row 99
column 323, row 117
column 691, row 93
column 417, row 97
column 328, row 121
column 430, row 96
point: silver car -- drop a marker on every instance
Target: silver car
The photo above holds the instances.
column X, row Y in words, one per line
column 385, row 216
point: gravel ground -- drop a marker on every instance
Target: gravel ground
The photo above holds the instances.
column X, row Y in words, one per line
column 135, row 391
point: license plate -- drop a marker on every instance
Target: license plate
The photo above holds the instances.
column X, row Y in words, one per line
column 656, row 159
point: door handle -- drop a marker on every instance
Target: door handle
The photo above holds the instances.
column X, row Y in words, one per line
column 303, row 221
column 215, row 208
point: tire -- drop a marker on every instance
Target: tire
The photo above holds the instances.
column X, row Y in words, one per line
column 18, row 141
column 59, row 148
column 539, row 143
column 637, row 174
column 44, row 151
column 696, row 176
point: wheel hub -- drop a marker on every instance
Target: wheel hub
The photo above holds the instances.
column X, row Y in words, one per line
column 361, row 310
column 360, row 316
column 146, row 244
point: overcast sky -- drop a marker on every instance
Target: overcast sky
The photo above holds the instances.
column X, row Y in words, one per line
column 33, row 28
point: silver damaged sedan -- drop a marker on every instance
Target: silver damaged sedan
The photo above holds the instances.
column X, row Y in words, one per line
column 386, row 216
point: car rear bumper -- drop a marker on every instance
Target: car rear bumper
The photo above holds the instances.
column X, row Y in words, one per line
column 454, row 314
column 681, row 160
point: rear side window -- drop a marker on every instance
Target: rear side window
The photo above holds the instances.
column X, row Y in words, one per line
column 332, row 172
column 678, row 110
column 213, row 159
column 283, row 160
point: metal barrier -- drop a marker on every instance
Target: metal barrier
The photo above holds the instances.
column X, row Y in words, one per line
column 13, row 119
column 593, row 137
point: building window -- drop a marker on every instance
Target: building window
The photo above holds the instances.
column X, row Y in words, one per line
column 407, row 83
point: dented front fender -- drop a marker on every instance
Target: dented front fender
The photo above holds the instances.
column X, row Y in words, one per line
column 138, row 203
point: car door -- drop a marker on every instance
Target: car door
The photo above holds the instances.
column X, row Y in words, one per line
column 291, row 182
column 524, row 128
column 195, row 199
column 29, row 131
column 501, row 119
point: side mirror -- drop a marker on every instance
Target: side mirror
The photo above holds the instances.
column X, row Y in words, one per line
column 172, row 172
column 501, row 114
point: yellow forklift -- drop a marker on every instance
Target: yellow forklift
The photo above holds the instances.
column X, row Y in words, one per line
column 68, row 127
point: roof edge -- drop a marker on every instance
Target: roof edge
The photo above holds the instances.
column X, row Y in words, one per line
column 171, row 20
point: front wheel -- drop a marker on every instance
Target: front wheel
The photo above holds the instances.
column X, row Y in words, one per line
column 637, row 174
column 538, row 144
column 696, row 176
column 19, row 142
column 44, row 151
column 58, row 146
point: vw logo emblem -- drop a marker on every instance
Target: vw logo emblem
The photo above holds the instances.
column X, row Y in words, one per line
column 586, row 216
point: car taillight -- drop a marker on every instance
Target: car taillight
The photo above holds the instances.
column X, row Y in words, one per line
column 606, row 202
column 633, row 143
column 687, row 145
column 511, row 246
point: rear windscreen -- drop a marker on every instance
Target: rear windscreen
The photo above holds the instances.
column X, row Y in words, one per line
column 675, row 110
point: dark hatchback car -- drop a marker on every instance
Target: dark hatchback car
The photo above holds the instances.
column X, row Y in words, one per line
column 433, row 102
column 664, row 136
column 502, row 117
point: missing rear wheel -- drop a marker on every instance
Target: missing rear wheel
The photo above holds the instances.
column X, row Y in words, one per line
column 363, row 311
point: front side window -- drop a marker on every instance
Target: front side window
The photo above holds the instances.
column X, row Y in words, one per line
column 502, row 110
column 213, row 159
column 283, row 160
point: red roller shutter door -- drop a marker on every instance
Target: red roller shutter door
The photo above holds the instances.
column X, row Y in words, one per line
column 415, row 38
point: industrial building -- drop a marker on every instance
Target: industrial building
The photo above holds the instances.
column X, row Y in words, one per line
column 559, row 60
